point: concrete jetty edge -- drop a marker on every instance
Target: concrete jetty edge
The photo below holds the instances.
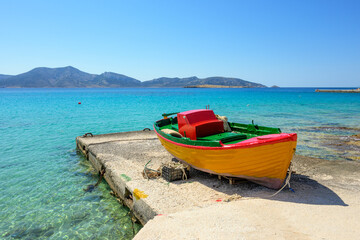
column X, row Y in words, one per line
column 339, row 90
column 141, row 210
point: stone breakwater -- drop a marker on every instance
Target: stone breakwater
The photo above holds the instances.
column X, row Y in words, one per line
column 339, row 90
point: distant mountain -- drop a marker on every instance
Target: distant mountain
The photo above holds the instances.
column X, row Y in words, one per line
column 50, row 77
column 67, row 77
column 3, row 76
column 70, row 77
column 169, row 82
column 193, row 81
column 110, row 79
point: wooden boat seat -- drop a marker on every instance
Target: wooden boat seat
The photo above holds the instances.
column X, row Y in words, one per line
column 199, row 123
column 225, row 137
column 233, row 138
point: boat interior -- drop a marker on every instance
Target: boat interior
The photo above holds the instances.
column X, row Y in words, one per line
column 203, row 126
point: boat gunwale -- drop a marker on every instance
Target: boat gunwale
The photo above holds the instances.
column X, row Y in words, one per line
column 286, row 138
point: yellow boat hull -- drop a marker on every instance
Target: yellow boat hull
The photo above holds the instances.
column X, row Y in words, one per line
column 264, row 164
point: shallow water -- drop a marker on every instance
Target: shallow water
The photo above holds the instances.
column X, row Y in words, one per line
column 42, row 177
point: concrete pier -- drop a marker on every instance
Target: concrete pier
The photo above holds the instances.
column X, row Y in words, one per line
column 325, row 204
column 339, row 90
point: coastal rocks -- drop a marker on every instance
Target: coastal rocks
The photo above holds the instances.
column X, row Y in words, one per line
column 330, row 142
column 356, row 137
column 348, row 146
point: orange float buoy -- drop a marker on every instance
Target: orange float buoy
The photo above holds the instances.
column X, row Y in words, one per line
column 79, row 102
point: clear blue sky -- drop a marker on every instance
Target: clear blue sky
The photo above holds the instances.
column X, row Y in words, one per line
column 314, row 43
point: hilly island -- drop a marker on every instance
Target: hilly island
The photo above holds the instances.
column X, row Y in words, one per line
column 70, row 77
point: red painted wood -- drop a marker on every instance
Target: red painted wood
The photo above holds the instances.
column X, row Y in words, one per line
column 199, row 123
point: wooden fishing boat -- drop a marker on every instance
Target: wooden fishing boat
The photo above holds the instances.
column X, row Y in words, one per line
column 198, row 138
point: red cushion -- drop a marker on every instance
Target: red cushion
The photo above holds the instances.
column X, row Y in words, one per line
column 199, row 123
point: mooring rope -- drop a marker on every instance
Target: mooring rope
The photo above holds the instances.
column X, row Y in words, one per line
column 133, row 220
column 88, row 134
column 91, row 187
column 102, row 172
column 287, row 182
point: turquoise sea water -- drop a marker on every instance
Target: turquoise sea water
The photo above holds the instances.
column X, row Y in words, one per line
column 42, row 177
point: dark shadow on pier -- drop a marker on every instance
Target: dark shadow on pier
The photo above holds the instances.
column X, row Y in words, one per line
column 306, row 190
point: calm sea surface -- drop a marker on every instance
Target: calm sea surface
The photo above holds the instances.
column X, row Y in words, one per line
column 42, row 177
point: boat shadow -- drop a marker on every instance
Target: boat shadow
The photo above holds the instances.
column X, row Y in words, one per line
column 303, row 189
